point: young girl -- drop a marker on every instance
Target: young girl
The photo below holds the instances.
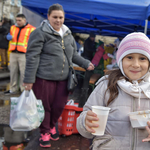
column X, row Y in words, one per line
column 124, row 90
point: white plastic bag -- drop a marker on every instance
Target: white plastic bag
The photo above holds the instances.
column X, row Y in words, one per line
column 27, row 112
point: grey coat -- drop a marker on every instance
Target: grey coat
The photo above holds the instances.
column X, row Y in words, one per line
column 119, row 134
column 45, row 57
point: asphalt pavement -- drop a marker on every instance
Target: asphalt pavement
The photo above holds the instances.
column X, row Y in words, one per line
column 72, row 142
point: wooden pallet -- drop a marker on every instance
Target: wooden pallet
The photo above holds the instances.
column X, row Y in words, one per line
column 93, row 80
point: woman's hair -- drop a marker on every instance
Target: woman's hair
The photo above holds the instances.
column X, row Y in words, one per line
column 55, row 7
column 113, row 77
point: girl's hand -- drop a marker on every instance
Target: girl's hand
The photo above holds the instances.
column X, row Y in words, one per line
column 28, row 86
column 90, row 116
column 148, row 130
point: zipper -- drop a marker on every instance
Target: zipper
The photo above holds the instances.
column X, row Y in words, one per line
column 133, row 130
column 56, row 34
column 103, row 143
column 63, row 47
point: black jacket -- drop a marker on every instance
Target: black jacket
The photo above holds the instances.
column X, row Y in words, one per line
column 89, row 49
column 4, row 30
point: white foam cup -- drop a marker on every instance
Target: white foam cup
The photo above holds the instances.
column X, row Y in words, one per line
column 102, row 114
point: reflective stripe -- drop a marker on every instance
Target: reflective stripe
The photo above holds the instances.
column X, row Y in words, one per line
column 12, row 28
column 32, row 29
column 23, row 39
column 13, row 43
column 13, row 31
column 26, row 35
column 22, row 44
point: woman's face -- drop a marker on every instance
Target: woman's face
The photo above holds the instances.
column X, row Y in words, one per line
column 56, row 19
column 135, row 66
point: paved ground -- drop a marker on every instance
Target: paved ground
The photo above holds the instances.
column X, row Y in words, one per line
column 72, row 142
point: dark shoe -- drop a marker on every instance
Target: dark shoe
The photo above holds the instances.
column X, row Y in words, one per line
column 45, row 140
column 11, row 93
column 54, row 134
column 7, row 92
column 83, row 97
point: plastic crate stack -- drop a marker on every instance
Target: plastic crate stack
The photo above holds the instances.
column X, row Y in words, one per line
column 67, row 120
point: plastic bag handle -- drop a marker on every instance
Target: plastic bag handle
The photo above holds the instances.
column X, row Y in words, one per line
column 24, row 94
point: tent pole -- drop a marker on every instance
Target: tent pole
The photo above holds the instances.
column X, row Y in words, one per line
column 146, row 23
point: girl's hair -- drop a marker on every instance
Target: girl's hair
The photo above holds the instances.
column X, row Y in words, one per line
column 55, row 7
column 113, row 77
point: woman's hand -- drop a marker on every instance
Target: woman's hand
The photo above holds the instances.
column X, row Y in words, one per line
column 28, row 86
column 90, row 116
column 91, row 67
column 148, row 130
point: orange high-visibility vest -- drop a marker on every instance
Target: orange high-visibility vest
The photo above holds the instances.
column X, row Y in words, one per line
column 21, row 44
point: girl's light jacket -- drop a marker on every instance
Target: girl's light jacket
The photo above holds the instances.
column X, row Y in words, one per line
column 119, row 134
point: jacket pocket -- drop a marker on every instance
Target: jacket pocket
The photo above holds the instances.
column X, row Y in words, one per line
column 100, row 142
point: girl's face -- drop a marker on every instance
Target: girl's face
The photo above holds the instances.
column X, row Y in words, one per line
column 135, row 66
column 56, row 19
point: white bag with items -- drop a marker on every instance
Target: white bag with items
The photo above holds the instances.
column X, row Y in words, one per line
column 26, row 113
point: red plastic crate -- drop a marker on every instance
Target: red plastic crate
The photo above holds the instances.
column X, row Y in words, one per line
column 67, row 120
column 75, row 131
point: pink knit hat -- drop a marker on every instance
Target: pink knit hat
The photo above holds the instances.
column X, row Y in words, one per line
column 136, row 42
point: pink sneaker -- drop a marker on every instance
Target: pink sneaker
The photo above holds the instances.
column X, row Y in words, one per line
column 54, row 135
column 45, row 140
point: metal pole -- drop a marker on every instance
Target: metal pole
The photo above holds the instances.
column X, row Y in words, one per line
column 146, row 23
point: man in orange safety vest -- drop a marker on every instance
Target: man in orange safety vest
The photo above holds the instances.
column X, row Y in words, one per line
column 19, row 36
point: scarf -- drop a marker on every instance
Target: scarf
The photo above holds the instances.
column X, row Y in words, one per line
column 135, row 89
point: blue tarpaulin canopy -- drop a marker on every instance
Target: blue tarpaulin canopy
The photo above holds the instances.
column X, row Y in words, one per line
column 105, row 17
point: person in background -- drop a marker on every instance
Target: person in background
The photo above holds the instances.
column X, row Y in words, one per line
column 4, row 30
column 89, row 46
column 89, row 49
column 47, row 68
column 124, row 90
column 19, row 36
column 116, row 43
column 77, row 38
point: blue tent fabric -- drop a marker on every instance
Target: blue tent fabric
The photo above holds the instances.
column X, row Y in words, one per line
column 131, row 9
column 102, row 16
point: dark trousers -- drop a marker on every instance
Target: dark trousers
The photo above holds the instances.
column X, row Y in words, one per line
column 54, row 96
column 85, row 88
column 87, row 77
column 4, row 57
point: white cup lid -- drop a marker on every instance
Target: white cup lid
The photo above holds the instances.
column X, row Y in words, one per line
column 101, row 108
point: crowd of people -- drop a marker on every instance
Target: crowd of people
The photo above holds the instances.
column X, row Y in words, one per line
column 38, row 61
